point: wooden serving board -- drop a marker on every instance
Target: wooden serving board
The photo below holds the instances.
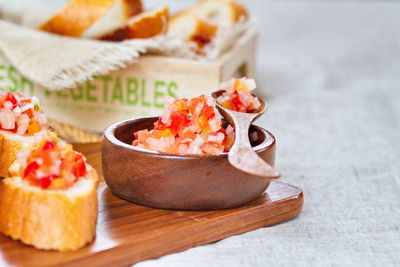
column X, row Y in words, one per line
column 129, row 233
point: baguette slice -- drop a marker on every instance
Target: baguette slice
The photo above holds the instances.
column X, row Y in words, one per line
column 188, row 26
column 144, row 25
column 195, row 30
column 219, row 12
column 183, row 24
column 199, row 24
column 10, row 144
column 222, row 12
column 49, row 219
column 91, row 18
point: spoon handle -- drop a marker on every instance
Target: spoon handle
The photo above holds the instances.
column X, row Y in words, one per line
column 242, row 156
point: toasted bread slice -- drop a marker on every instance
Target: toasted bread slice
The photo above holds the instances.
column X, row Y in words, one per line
column 91, row 18
column 193, row 29
column 199, row 24
column 49, row 219
column 221, row 12
column 144, row 25
column 10, row 144
column 186, row 25
column 183, row 24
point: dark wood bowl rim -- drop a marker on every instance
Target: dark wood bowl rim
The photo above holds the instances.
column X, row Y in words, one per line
column 109, row 134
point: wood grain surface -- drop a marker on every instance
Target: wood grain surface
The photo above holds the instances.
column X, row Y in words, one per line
column 129, row 233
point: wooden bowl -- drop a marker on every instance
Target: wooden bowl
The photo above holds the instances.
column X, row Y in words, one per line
column 182, row 182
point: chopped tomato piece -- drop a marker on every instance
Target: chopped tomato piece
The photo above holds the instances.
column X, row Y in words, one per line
column 33, row 166
column 236, row 104
column 209, row 112
column 3, row 98
column 45, row 182
column 29, row 113
column 49, row 145
column 177, row 122
column 79, row 168
column 11, row 97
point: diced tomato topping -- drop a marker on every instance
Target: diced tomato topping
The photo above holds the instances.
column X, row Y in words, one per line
column 3, row 98
column 26, row 100
column 184, row 127
column 135, row 143
column 236, row 104
column 33, row 166
column 11, row 98
column 45, row 181
column 78, row 156
column 181, row 104
column 49, row 145
column 14, row 130
column 29, row 112
column 189, row 135
column 209, row 112
column 80, row 165
column 53, row 159
column 159, row 125
column 177, row 122
column 79, row 168
column 23, row 125
column 237, row 95
column 202, row 121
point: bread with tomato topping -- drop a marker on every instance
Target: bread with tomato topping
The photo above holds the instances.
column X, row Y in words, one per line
column 22, row 123
column 50, row 201
column 52, row 220
column 91, row 18
column 10, row 145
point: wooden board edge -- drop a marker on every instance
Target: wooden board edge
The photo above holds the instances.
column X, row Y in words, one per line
column 125, row 258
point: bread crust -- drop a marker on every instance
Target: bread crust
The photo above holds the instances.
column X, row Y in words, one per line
column 78, row 15
column 239, row 11
column 145, row 25
column 9, row 148
column 199, row 23
column 133, row 7
column 48, row 219
column 235, row 9
column 206, row 9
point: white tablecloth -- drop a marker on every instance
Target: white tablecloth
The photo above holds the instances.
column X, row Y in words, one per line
column 331, row 74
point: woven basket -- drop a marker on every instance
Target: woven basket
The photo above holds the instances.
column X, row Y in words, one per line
column 73, row 134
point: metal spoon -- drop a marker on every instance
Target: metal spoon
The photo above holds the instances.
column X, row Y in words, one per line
column 241, row 155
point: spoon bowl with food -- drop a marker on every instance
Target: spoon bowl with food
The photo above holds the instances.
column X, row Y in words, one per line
column 241, row 108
